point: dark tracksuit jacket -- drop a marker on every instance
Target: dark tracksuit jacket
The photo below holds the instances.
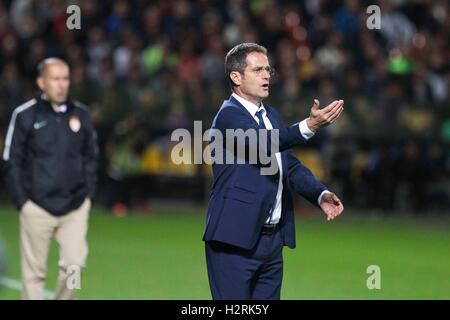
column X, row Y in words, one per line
column 51, row 157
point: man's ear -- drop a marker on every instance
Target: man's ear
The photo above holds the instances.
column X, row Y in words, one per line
column 40, row 83
column 236, row 77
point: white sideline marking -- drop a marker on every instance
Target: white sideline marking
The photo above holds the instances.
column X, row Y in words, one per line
column 17, row 285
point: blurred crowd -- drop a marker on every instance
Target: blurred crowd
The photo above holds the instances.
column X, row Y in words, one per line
column 145, row 68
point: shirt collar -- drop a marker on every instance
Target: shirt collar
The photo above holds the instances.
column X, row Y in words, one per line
column 61, row 108
column 249, row 106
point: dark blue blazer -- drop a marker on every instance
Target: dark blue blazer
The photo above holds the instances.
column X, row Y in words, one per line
column 241, row 198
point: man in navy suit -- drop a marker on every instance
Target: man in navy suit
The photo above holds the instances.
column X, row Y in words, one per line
column 250, row 214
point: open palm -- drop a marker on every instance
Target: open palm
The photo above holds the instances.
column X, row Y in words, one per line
column 331, row 205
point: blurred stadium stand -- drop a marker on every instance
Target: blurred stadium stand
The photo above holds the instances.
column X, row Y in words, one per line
column 145, row 68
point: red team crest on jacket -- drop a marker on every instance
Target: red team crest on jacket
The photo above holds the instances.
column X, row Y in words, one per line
column 74, row 124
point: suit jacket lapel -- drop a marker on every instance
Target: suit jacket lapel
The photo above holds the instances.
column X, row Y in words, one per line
column 276, row 125
column 234, row 101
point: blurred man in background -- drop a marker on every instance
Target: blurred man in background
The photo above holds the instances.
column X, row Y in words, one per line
column 50, row 155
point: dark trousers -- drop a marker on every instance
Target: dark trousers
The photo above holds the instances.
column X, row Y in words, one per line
column 238, row 274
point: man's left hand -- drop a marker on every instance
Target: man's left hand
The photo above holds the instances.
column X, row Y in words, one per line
column 331, row 205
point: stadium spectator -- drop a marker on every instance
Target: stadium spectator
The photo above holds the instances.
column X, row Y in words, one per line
column 147, row 59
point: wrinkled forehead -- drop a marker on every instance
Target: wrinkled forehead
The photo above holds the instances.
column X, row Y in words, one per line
column 55, row 69
column 257, row 59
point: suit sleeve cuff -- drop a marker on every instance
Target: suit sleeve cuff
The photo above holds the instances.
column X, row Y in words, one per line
column 304, row 130
column 321, row 195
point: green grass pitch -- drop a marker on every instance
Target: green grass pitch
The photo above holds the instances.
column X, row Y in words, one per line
column 161, row 256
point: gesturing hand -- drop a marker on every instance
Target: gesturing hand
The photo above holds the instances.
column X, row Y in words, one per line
column 331, row 205
column 322, row 117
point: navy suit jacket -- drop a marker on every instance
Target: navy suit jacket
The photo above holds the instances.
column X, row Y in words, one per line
column 242, row 198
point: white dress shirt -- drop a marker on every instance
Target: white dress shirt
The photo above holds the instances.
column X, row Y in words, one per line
column 305, row 132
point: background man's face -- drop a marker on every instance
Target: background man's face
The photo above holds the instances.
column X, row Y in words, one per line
column 55, row 82
column 254, row 83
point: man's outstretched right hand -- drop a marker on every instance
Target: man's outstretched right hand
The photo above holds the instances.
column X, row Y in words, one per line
column 322, row 117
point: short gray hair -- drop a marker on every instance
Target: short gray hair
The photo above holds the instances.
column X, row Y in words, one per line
column 42, row 66
column 235, row 60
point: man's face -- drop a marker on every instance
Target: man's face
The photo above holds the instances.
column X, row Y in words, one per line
column 55, row 82
column 253, row 85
